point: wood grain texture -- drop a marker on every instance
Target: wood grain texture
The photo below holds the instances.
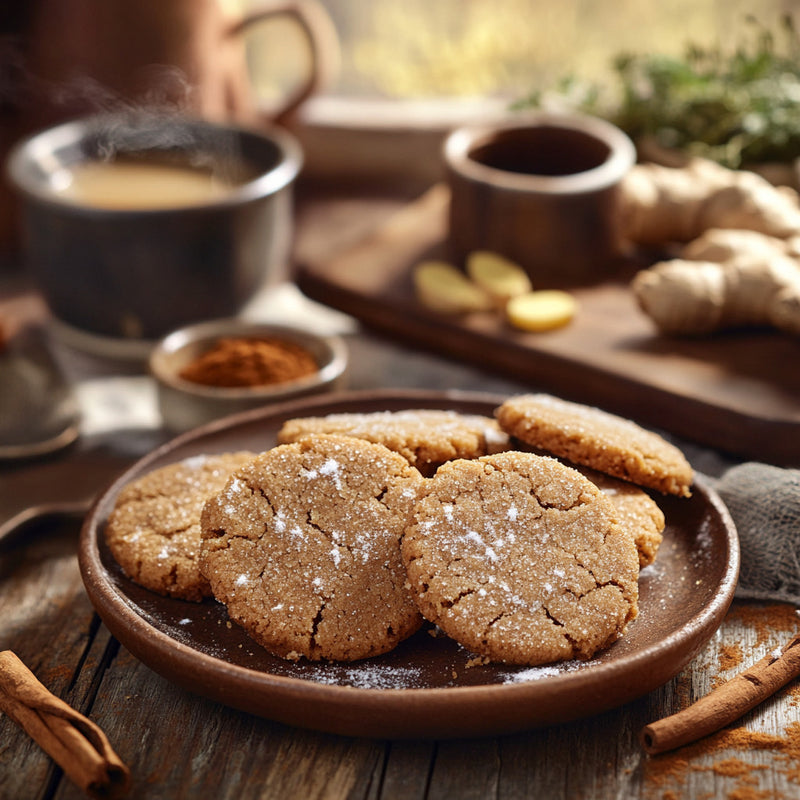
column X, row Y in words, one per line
column 735, row 391
column 182, row 746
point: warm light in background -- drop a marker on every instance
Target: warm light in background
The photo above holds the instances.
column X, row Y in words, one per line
column 435, row 48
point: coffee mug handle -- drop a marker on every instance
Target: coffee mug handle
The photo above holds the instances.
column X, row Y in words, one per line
column 323, row 44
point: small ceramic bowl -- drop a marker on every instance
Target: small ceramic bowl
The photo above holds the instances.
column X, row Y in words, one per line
column 542, row 190
column 185, row 404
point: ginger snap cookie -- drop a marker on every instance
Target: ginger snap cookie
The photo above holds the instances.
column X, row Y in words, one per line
column 636, row 510
column 520, row 559
column 154, row 529
column 594, row 438
column 303, row 547
column 425, row 437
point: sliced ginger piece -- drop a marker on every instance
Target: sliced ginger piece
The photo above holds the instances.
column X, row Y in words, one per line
column 543, row 310
column 497, row 275
column 444, row 288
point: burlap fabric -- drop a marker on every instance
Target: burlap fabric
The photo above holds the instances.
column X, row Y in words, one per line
column 764, row 502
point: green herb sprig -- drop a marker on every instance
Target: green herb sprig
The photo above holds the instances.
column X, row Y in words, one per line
column 736, row 108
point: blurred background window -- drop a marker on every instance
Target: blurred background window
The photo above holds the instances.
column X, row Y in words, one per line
column 421, row 49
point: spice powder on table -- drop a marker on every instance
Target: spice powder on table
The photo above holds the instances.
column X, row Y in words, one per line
column 242, row 362
column 728, row 753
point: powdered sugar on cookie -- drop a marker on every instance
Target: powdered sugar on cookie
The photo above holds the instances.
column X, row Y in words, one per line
column 554, row 580
column 318, row 522
column 425, row 437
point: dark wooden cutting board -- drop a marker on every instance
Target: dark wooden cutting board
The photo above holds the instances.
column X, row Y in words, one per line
column 738, row 392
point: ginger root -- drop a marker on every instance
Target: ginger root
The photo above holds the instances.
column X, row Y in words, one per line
column 501, row 278
column 660, row 204
column 688, row 297
column 444, row 288
column 492, row 282
column 541, row 311
column 741, row 266
column 719, row 244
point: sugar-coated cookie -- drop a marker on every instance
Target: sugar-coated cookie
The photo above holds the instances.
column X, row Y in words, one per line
column 154, row 529
column 425, row 437
column 520, row 559
column 594, row 438
column 636, row 510
column 302, row 546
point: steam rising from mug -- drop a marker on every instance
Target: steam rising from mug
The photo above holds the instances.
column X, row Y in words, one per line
column 131, row 126
column 169, row 92
column 153, row 130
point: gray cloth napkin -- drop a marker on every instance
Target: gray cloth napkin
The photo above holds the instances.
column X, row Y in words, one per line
column 764, row 502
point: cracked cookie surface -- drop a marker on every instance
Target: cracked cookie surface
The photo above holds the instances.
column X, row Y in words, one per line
column 594, row 438
column 302, row 546
column 153, row 531
column 425, row 437
column 520, row 559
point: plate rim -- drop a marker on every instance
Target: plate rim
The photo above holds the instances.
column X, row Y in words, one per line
column 127, row 624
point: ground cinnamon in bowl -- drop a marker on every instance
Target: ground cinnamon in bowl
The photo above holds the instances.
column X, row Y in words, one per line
column 220, row 367
column 243, row 361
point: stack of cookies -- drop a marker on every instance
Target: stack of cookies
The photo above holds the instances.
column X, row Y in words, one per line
column 521, row 536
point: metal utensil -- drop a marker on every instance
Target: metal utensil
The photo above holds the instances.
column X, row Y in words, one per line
column 38, row 411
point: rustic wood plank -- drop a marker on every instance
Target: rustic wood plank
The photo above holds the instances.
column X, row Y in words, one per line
column 46, row 619
column 731, row 391
column 407, row 771
column 468, row 769
column 180, row 745
column 754, row 757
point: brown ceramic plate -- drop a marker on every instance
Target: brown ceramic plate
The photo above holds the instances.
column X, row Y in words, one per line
column 426, row 686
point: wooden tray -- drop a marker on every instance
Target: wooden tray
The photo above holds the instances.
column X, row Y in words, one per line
column 738, row 392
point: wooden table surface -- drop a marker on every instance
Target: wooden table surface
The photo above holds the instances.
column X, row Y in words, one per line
column 178, row 745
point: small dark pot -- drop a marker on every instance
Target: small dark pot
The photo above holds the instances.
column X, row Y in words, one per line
column 541, row 190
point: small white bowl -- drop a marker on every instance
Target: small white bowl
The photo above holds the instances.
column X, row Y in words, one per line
column 185, row 404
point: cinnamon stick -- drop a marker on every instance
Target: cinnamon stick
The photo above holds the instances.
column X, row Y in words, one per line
column 74, row 742
column 727, row 703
